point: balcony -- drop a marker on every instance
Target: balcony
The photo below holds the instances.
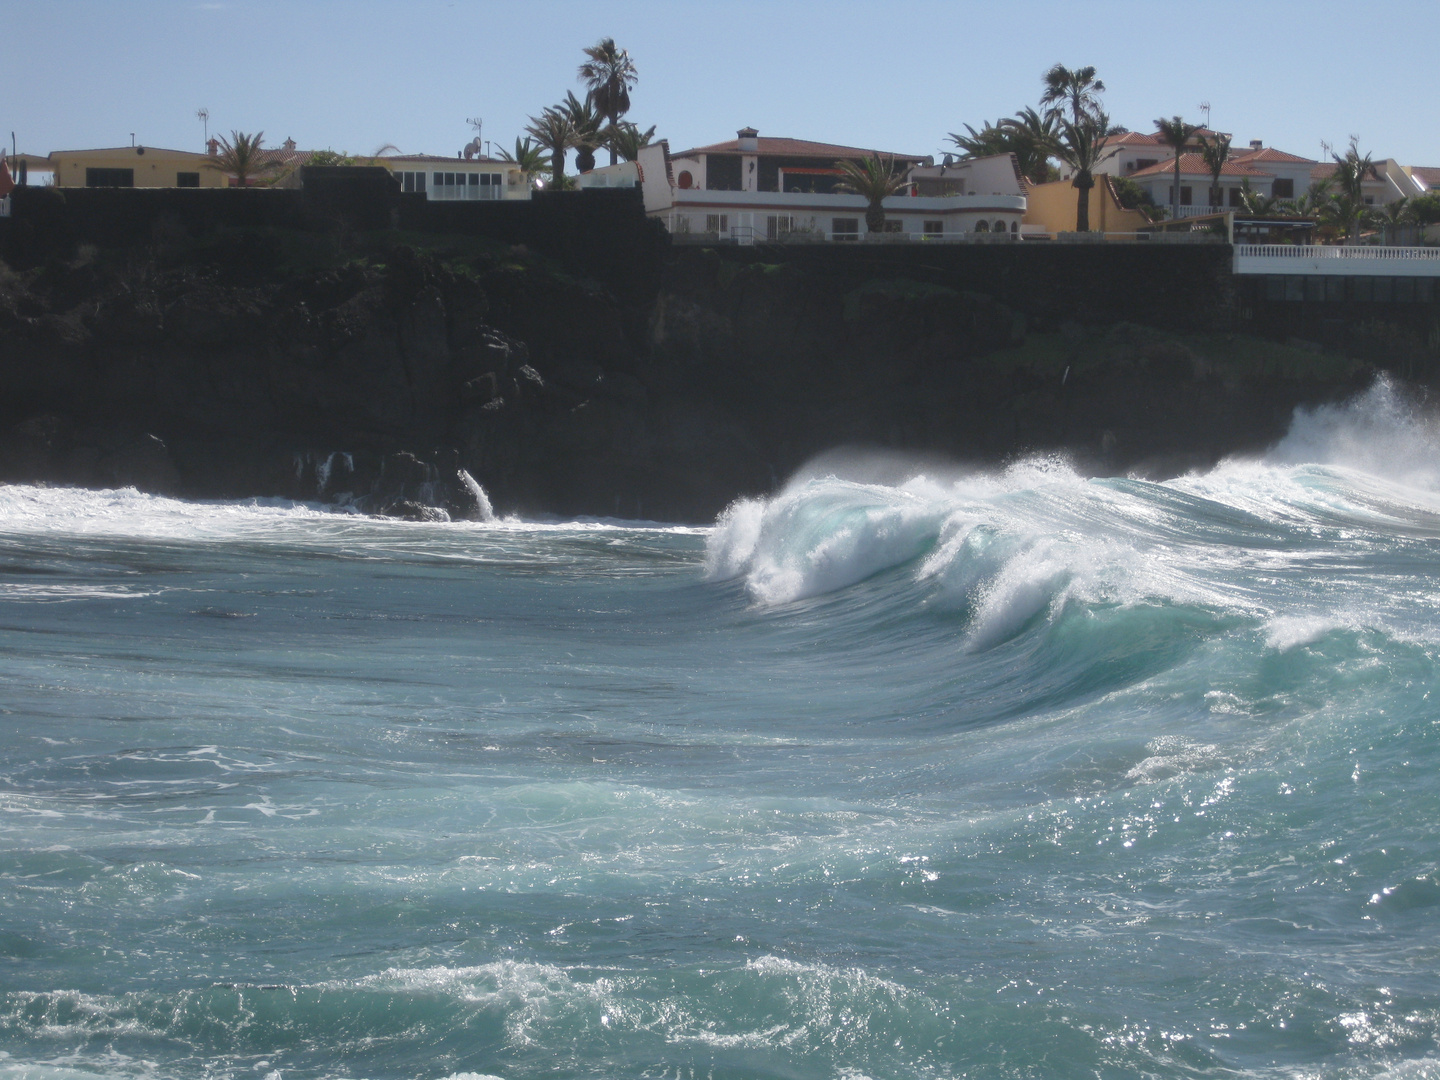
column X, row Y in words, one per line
column 1351, row 261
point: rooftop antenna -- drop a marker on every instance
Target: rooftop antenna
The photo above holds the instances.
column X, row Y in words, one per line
column 132, row 138
column 203, row 115
column 1205, row 108
column 478, row 123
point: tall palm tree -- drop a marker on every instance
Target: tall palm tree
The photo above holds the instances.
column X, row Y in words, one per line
column 1215, row 152
column 243, row 157
column 1082, row 147
column 1351, row 172
column 528, row 158
column 875, row 181
column 1078, row 89
column 553, row 131
column 1175, row 132
column 610, row 74
column 626, row 139
column 586, row 121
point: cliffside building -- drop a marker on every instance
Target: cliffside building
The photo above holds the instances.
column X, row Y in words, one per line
column 760, row 189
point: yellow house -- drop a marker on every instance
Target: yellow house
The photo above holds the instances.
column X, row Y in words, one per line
column 1052, row 207
column 134, row 166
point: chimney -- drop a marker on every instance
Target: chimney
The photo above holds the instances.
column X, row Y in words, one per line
column 212, row 147
column 1257, row 144
column 749, row 139
column 288, row 144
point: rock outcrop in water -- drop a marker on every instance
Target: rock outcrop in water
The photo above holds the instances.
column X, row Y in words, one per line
column 393, row 376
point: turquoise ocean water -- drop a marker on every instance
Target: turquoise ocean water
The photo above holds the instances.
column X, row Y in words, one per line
column 1013, row 774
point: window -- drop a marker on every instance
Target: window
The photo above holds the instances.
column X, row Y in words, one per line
column 933, row 228
column 1283, row 188
column 1235, row 199
column 982, row 226
column 717, row 223
column 1014, row 227
column 845, row 228
column 999, row 226
column 187, row 179
column 411, row 181
column 778, row 225
column 893, row 226
column 685, row 180
column 1187, row 195
column 1145, row 163
column 109, row 177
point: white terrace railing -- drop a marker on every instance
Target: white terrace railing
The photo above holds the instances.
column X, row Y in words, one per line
column 1351, row 260
column 1327, row 251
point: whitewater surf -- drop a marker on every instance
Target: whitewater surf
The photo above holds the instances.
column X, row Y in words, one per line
column 900, row 772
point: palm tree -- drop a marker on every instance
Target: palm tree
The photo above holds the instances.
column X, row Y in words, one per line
column 586, row 121
column 1351, row 172
column 1033, row 134
column 1077, row 89
column 874, row 181
column 626, row 139
column 1027, row 135
column 242, row 157
column 990, row 140
column 553, row 131
column 528, row 158
column 1175, row 132
column 1082, row 147
column 1255, row 203
column 1312, row 200
column 609, row 74
column 1215, row 152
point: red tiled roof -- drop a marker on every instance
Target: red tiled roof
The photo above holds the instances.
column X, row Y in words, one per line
column 1194, row 165
column 768, row 146
column 1269, row 153
column 1131, row 138
column 1429, row 175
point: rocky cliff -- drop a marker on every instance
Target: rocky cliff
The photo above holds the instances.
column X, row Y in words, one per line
column 380, row 370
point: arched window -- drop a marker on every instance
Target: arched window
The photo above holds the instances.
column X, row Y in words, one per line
column 982, row 226
column 685, row 180
column 1014, row 227
column 1000, row 226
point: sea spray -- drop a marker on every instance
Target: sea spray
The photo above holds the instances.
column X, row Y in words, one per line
column 483, row 509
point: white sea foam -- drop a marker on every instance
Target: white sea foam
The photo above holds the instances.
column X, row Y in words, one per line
column 130, row 514
column 1288, row 632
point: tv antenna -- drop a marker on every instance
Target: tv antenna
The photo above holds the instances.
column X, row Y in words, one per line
column 1205, row 108
column 478, row 123
column 203, row 115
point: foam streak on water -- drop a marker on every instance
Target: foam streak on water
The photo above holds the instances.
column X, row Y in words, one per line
column 898, row 773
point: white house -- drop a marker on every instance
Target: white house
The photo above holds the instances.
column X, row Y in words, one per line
column 458, row 178
column 770, row 189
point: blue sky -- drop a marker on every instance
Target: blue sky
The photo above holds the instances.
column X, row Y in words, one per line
column 895, row 76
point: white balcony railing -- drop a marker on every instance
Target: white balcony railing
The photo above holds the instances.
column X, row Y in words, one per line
column 1326, row 251
column 1351, row 261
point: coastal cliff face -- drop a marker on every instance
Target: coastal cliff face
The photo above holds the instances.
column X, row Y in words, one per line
column 311, row 367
